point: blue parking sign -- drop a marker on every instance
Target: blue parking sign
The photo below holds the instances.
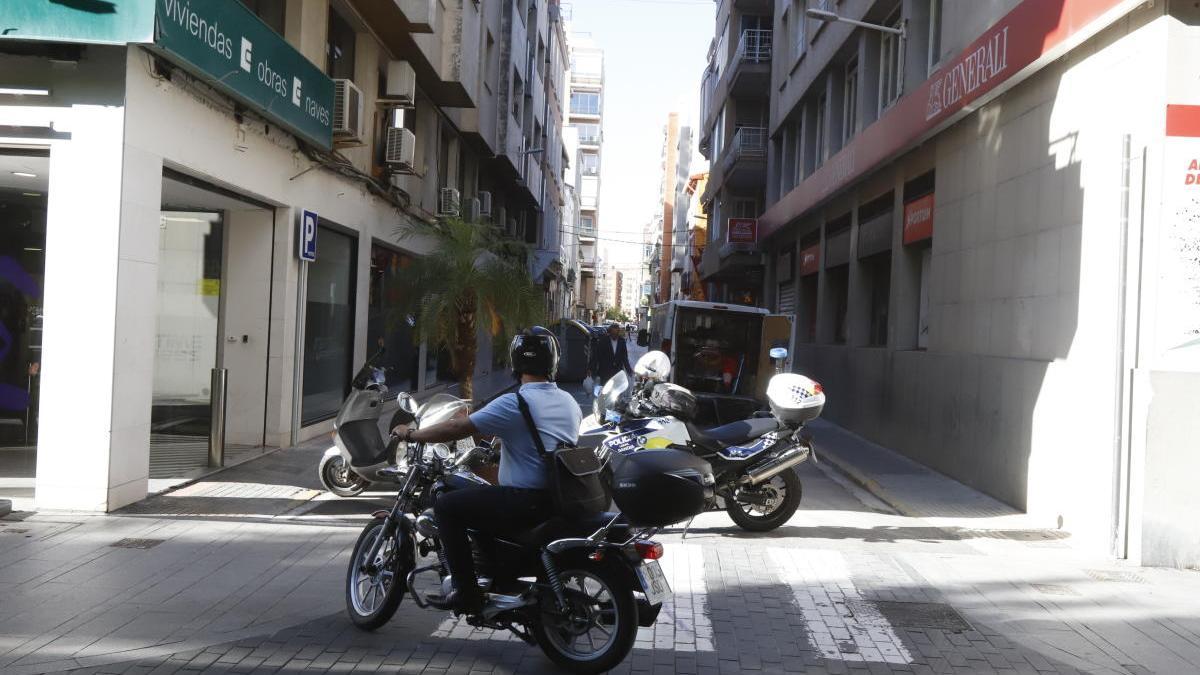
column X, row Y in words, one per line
column 308, row 235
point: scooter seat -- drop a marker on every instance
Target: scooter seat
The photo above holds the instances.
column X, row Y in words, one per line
column 734, row 433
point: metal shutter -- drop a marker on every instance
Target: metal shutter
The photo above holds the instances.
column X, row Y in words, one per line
column 787, row 298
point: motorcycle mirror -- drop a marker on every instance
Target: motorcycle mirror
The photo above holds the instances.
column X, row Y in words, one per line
column 406, row 403
column 779, row 353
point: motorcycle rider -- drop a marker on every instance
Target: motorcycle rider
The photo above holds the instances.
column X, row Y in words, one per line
column 520, row 501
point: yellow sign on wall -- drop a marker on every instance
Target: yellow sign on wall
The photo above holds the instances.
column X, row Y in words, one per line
column 210, row 287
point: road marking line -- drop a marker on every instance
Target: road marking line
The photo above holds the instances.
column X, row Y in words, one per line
column 821, row 584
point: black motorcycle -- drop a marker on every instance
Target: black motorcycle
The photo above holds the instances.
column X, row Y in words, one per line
column 577, row 589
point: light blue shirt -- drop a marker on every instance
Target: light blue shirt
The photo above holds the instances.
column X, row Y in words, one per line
column 557, row 417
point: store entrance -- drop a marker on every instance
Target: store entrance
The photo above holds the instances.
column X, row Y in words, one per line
column 213, row 313
column 24, row 178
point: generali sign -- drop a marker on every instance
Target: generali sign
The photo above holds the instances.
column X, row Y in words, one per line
column 1033, row 34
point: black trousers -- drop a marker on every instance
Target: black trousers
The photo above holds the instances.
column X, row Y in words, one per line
column 490, row 509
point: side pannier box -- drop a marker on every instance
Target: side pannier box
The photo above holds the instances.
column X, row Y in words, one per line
column 795, row 399
column 656, row 488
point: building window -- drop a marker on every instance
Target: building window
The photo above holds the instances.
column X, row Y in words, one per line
column 745, row 208
column 485, row 68
column 518, row 94
column 891, row 64
column 850, row 102
column 935, row 33
column 270, row 11
column 797, row 151
column 800, row 26
column 585, row 103
column 589, row 133
column 339, row 48
column 819, row 144
column 329, row 326
column 589, row 163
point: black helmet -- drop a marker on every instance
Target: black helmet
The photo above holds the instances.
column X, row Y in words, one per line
column 534, row 352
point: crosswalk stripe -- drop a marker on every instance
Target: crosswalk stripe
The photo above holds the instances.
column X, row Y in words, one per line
column 821, row 583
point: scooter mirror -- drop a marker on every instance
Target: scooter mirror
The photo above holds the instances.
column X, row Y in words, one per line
column 407, row 404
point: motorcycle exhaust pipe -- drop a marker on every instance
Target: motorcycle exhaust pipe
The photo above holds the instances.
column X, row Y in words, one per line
column 769, row 468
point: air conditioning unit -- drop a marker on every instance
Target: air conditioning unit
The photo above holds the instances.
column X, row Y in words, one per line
column 347, row 111
column 485, row 203
column 399, row 149
column 448, row 202
column 472, row 210
column 401, row 85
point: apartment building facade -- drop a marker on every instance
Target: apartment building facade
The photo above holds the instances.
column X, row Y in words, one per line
column 979, row 215
column 253, row 176
column 585, row 113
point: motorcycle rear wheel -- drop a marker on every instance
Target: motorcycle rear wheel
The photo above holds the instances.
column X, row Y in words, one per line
column 602, row 612
column 339, row 479
column 372, row 599
column 742, row 515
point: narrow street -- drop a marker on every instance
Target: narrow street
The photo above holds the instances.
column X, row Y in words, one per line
column 243, row 572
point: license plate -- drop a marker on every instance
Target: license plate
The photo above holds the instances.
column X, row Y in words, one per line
column 654, row 582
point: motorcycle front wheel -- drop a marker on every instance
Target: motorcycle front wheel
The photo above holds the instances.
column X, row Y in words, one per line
column 598, row 630
column 337, row 477
column 775, row 503
column 374, row 588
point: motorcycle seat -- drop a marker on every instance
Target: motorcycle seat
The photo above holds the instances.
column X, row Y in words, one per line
column 734, row 433
column 561, row 528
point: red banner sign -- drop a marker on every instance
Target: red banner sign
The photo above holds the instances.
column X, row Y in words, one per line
column 743, row 230
column 810, row 260
column 918, row 219
column 1034, row 32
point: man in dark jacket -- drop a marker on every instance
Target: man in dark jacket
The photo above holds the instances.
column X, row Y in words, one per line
column 609, row 355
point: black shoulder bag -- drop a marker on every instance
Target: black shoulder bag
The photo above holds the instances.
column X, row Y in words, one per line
column 575, row 486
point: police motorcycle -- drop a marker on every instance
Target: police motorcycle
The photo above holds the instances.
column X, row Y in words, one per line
column 578, row 589
column 752, row 459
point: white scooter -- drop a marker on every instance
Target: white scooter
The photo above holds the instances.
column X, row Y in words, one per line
column 361, row 448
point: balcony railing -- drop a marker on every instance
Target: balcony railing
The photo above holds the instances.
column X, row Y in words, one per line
column 748, row 142
column 590, row 139
column 755, row 45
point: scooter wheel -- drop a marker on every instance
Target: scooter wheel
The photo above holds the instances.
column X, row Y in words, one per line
column 337, row 477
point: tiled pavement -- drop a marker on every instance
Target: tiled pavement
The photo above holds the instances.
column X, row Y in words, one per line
column 247, row 577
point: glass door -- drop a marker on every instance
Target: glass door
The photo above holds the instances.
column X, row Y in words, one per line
column 188, row 307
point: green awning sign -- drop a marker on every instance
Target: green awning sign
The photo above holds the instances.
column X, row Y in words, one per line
column 226, row 44
column 220, row 41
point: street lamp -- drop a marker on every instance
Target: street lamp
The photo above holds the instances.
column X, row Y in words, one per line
column 832, row 17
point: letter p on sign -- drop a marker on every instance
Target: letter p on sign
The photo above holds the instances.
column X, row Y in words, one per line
column 308, row 235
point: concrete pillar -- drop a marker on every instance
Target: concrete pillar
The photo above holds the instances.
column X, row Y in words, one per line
column 306, row 27
column 906, row 279
column 286, row 316
column 858, row 304
column 101, row 284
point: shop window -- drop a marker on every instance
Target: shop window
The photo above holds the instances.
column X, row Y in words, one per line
column 339, row 47
column 808, row 309
column 923, row 299
column 878, row 271
column 329, row 326
column 388, row 325
column 22, row 274
column 838, row 280
column 270, row 11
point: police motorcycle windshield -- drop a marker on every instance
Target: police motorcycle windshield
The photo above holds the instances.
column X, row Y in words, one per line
column 611, row 397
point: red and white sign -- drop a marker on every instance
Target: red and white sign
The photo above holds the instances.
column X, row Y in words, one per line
column 918, row 219
column 1033, row 34
column 810, row 260
column 743, row 231
column 1175, row 336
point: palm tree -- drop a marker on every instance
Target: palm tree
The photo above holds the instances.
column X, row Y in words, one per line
column 471, row 274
